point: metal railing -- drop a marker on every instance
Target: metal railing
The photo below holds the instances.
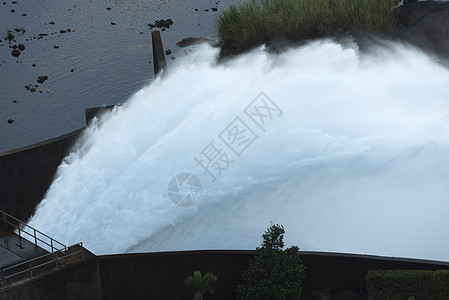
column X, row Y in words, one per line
column 39, row 265
column 22, row 228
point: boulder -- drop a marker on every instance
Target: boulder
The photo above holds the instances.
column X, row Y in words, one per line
column 193, row 41
column 15, row 52
column 41, row 79
column 162, row 23
column 425, row 25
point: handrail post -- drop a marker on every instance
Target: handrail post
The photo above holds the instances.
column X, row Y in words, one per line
column 4, row 220
column 3, row 279
column 31, row 271
column 51, row 244
column 35, row 239
column 56, row 259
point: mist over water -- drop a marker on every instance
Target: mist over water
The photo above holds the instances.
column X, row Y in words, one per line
column 357, row 162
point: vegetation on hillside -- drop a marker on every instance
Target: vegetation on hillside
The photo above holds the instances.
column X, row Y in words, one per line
column 249, row 24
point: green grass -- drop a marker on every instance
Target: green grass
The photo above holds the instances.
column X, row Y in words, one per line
column 248, row 24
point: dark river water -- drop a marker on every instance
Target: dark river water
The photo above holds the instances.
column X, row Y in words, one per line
column 94, row 64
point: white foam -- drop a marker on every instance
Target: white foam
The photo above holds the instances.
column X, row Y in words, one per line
column 357, row 162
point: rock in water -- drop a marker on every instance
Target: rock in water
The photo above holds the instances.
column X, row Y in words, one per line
column 41, row 79
column 15, row 52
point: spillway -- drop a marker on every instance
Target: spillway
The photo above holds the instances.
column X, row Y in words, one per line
column 348, row 150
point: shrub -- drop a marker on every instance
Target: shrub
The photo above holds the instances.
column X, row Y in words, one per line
column 274, row 273
column 249, row 24
column 202, row 284
column 408, row 284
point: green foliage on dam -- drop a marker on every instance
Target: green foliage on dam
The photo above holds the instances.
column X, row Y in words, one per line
column 248, row 24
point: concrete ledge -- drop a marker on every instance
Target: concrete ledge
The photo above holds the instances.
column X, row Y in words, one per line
column 78, row 281
column 93, row 112
column 160, row 275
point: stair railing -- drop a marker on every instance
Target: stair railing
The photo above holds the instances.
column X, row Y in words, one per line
column 35, row 266
column 25, row 229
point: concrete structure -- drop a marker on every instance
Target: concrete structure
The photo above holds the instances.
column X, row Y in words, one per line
column 93, row 112
column 161, row 275
column 26, row 173
column 158, row 53
column 77, row 281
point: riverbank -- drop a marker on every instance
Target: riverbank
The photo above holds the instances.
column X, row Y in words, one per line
column 281, row 24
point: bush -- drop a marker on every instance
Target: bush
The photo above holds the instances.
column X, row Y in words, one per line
column 274, row 273
column 408, row 284
column 249, row 24
column 201, row 284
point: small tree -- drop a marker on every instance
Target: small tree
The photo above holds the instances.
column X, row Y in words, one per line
column 274, row 273
column 202, row 284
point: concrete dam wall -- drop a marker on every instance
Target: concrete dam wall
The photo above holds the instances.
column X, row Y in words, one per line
column 26, row 173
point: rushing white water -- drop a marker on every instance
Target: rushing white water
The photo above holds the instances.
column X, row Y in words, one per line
column 357, row 162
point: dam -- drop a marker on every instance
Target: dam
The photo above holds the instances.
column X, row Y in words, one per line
column 351, row 160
